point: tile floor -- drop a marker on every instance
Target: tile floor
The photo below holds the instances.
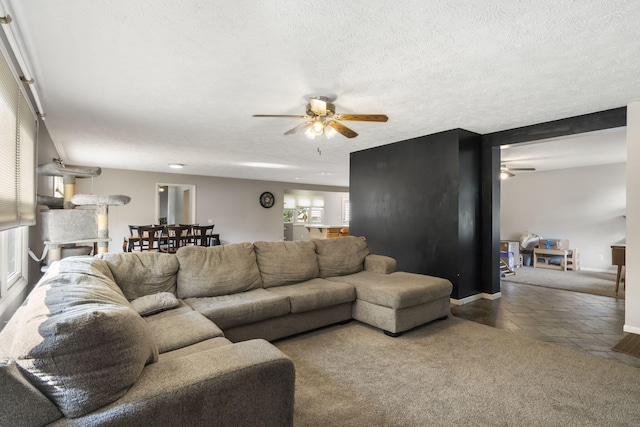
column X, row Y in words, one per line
column 582, row 322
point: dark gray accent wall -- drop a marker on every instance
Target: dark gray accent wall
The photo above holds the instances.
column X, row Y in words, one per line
column 490, row 214
column 419, row 202
column 433, row 202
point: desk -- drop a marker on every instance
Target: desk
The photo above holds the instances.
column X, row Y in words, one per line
column 546, row 254
column 618, row 255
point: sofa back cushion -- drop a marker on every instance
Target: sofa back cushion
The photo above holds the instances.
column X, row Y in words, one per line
column 341, row 255
column 286, row 263
column 78, row 340
column 143, row 273
column 217, row 270
column 22, row 403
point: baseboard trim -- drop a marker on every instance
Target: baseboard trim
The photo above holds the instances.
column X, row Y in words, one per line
column 491, row 296
column 475, row 297
column 631, row 329
column 598, row 270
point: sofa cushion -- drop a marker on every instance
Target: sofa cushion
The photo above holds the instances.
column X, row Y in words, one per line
column 22, row 403
column 397, row 290
column 286, row 263
column 241, row 308
column 78, row 340
column 182, row 307
column 341, row 255
column 195, row 348
column 155, row 303
column 315, row 294
column 217, row 270
column 142, row 273
column 181, row 330
column 380, row 264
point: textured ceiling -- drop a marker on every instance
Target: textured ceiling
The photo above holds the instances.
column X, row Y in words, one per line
column 140, row 84
column 588, row 149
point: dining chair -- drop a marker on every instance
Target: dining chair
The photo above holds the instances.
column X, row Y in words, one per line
column 134, row 241
column 202, row 235
column 189, row 232
column 176, row 237
column 150, row 237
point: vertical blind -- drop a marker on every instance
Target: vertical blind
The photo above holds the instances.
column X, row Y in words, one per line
column 18, row 130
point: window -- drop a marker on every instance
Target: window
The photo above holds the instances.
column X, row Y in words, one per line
column 13, row 262
column 288, row 215
column 18, row 129
column 346, row 210
column 309, row 215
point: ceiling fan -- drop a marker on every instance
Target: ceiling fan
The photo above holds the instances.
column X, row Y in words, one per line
column 507, row 172
column 321, row 118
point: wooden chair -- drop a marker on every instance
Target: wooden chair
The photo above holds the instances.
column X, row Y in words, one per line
column 134, row 241
column 176, row 238
column 150, row 237
column 202, row 235
column 189, row 232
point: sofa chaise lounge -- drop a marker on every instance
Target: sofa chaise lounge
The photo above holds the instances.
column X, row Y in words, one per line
column 182, row 339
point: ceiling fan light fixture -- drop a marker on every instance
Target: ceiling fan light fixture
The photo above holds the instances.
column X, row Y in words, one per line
column 317, row 127
column 309, row 133
column 322, row 119
column 329, row 131
column 504, row 174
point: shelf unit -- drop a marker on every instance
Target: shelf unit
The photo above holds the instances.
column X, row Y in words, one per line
column 541, row 258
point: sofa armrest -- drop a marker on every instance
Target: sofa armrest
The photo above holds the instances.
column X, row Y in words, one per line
column 380, row 264
column 248, row 383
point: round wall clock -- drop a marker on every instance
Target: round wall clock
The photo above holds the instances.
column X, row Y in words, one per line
column 267, row 199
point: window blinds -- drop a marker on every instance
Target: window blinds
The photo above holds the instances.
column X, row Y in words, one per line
column 18, row 130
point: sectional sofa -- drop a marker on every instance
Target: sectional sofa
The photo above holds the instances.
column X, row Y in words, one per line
column 182, row 339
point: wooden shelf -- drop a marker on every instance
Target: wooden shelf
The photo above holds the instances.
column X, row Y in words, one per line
column 546, row 254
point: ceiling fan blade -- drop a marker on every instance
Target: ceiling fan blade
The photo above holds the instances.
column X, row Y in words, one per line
column 522, row 169
column 298, row 128
column 363, row 117
column 318, row 106
column 281, row 115
column 342, row 129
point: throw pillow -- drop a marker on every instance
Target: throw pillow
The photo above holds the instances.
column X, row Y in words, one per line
column 152, row 304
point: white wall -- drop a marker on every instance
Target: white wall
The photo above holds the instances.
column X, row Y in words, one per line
column 585, row 205
column 632, row 303
column 232, row 204
column 333, row 208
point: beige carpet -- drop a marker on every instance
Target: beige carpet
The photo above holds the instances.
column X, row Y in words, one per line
column 590, row 282
column 454, row 373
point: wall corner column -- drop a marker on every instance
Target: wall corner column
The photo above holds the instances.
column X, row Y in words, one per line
column 632, row 276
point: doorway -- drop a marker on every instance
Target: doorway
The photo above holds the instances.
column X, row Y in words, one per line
column 175, row 203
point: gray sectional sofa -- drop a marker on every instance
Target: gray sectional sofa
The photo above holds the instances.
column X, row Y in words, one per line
column 164, row 339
